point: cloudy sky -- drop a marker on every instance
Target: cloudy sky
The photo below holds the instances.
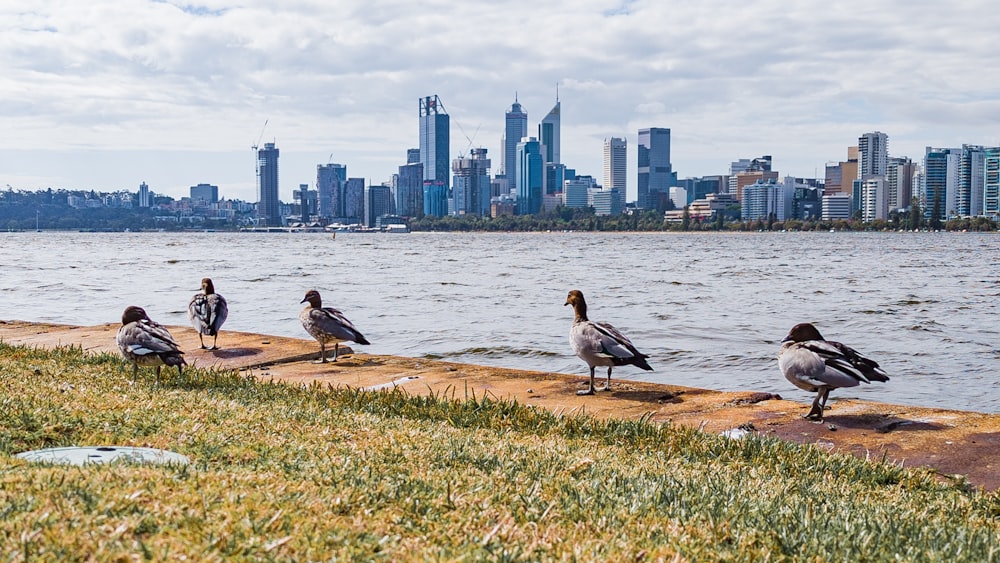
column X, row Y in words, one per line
column 106, row 94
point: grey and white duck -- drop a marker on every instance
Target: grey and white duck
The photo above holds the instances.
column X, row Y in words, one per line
column 600, row 344
column 207, row 311
column 327, row 324
column 147, row 343
column 813, row 363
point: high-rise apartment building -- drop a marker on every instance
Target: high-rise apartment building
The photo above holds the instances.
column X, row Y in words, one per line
column 515, row 129
column 530, row 176
column 615, row 164
column 899, row 182
column 940, row 183
column 410, row 190
column 471, row 184
column 874, row 202
column 144, row 197
column 268, row 204
column 378, row 203
column 435, row 142
column 654, row 168
column 972, row 167
column 354, row 200
column 873, row 155
column 330, row 179
column 991, row 183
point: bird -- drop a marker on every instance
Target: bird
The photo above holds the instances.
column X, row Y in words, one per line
column 147, row 343
column 600, row 344
column 327, row 324
column 207, row 311
column 812, row 363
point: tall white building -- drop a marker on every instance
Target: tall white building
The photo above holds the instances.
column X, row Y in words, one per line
column 874, row 199
column 873, row 155
column 836, row 206
column 615, row 164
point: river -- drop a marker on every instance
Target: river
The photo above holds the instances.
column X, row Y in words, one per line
column 709, row 308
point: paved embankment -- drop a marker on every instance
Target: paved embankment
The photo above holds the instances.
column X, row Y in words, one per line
column 951, row 442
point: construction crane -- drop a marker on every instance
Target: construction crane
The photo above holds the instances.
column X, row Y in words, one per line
column 256, row 155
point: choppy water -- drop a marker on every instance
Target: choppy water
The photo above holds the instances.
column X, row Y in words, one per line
column 709, row 308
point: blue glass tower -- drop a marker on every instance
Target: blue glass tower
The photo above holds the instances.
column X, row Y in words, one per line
column 435, row 145
column 530, row 176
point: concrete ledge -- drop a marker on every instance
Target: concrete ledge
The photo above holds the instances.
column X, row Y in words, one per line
column 951, row 442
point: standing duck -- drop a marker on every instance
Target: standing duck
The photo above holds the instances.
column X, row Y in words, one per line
column 147, row 343
column 600, row 344
column 326, row 324
column 207, row 311
column 814, row 364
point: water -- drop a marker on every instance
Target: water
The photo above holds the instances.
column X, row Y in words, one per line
column 709, row 308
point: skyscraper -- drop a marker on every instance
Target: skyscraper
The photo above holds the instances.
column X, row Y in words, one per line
column 615, row 164
column 330, row 180
column 969, row 198
column 873, row 155
column 655, row 171
column 548, row 135
column 206, row 193
column 898, row 182
column 940, row 184
column 434, row 140
column 471, row 186
column 991, row 183
column 378, row 202
column 354, row 200
column 268, row 205
column 144, row 196
column 515, row 129
column 410, row 190
column 530, row 176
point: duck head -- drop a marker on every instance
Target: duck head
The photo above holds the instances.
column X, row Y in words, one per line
column 312, row 296
column 803, row 332
column 133, row 314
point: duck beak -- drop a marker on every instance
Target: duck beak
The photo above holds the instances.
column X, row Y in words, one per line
column 303, row 301
column 787, row 338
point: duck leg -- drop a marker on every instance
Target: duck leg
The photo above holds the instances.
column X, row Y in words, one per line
column 336, row 350
column 816, row 412
column 215, row 341
column 201, row 340
column 322, row 353
column 135, row 371
column 591, row 390
column 607, row 386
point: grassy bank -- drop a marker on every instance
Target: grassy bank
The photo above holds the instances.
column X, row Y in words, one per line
column 280, row 472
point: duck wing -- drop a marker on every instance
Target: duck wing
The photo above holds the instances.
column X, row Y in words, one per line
column 145, row 338
column 617, row 346
column 333, row 322
column 846, row 360
column 208, row 312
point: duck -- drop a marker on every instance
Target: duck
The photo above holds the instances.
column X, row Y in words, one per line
column 207, row 311
column 147, row 343
column 600, row 344
column 813, row 363
column 327, row 324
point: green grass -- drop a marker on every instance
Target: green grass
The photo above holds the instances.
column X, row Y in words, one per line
column 290, row 473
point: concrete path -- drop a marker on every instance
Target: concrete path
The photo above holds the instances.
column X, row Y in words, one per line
column 951, row 442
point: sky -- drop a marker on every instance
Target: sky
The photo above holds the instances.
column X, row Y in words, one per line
column 104, row 95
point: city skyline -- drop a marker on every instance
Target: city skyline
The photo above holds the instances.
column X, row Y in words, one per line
column 110, row 95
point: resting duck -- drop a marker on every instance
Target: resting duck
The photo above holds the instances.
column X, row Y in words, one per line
column 207, row 311
column 814, row 364
column 600, row 344
column 326, row 324
column 147, row 343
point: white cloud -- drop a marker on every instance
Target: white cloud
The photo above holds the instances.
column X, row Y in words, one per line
column 798, row 80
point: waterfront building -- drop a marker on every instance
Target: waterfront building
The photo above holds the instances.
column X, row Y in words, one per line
column 435, row 198
column 268, row 204
column 707, row 208
column 991, row 183
column 764, row 199
column 435, row 143
column 679, row 197
column 655, row 173
column 940, row 182
column 836, row 206
column 144, row 197
column 410, row 190
column 530, row 176
column 607, row 202
column 972, row 166
column 899, row 182
column 305, row 202
column 330, row 179
column 515, row 129
column 354, row 200
column 471, row 187
column 873, row 155
column 874, row 199
column 576, row 193
column 752, row 175
column 555, row 175
column 378, row 203
column 615, row 164
column 806, row 202
column 205, row 192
